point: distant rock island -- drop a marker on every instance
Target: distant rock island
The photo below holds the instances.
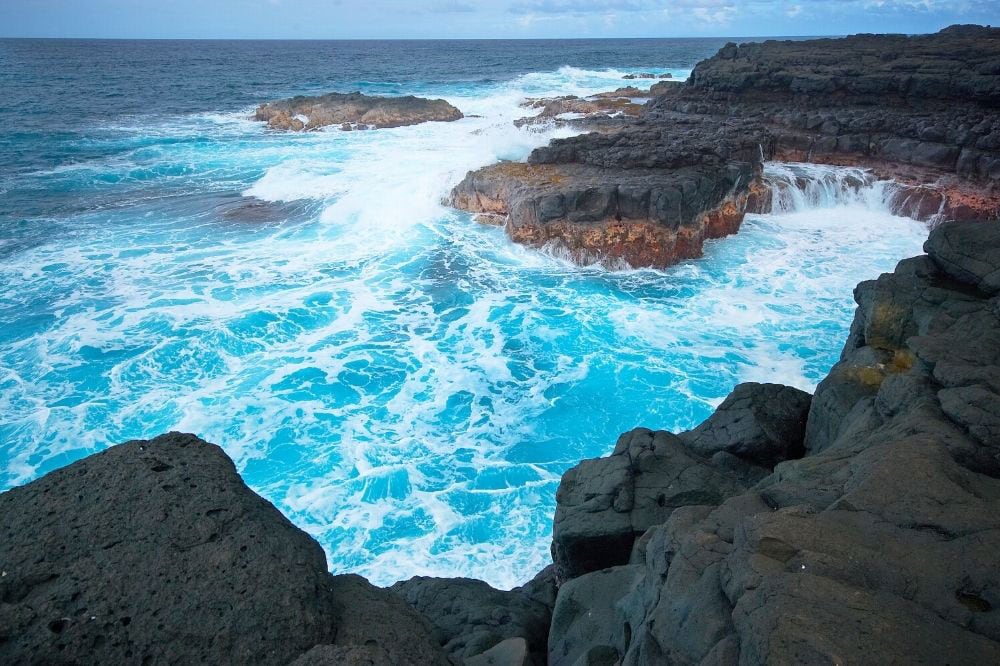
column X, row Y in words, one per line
column 354, row 111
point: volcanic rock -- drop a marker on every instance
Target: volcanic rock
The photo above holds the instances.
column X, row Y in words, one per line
column 472, row 618
column 920, row 110
column 157, row 552
column 354, row 110
column 878, row 545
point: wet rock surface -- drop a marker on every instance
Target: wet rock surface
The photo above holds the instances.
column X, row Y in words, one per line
column 920, row 109
column 647, row 197
column 354, row 111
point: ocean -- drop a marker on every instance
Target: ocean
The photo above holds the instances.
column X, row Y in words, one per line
column 405, row 384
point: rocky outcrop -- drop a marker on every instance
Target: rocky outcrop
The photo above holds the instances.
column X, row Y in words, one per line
column 585, row 112
column 920, row 110
column 157, row 552
column 354, row 111
column 872, row 540
column 471, row 618
column 648, row 197
column 648, row 75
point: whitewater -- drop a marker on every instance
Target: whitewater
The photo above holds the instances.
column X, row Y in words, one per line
column 403, row 383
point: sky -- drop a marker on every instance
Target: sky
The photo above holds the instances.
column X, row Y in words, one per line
column 472, row 19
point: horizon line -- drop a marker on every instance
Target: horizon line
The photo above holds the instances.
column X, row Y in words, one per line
column 441, row 39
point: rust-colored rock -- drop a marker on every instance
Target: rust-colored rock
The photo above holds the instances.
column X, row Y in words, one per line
column 354, row 110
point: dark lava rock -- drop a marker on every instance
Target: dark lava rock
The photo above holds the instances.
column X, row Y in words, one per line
column 969, row 253
column 157, row 552
column 604, row 504
column 471, row 617
column 509, row 652
column 761, row 423
column 647, row 191
column 354, row 109
column 351, row 655
column 648, row 196
column 877, row 546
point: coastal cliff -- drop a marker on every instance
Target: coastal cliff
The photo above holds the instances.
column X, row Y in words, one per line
column 857, row 525
column 648, row 190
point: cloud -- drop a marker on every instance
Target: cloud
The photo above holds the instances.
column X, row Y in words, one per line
column 718, row 15
column 793, row 11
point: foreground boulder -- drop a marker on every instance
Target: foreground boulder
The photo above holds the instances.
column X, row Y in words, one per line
column 472, row 618
column 157, row 552
column 873, row 541
column 354, row 111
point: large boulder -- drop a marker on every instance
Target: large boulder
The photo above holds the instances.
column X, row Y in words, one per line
column 968, row 252
column 761, row 423
column 157, row 552
column 471, row 617
column 604, row 504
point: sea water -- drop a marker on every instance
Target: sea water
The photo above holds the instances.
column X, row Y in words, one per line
column 405, row 384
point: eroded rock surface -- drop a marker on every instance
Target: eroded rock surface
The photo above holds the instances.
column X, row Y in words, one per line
column 472, row 618
column 354, row 111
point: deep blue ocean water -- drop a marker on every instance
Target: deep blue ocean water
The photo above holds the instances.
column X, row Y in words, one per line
column 405, row 384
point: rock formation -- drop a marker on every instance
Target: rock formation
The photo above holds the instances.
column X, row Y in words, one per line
column 354, row 111
column 860, row 524
column 864, row 532
column 157, row 552
column 647, row 191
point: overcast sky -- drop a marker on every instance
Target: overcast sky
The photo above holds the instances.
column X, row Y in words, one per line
column 357, row 19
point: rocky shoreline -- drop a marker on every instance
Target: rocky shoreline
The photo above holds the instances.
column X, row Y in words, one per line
column 654, row 181
column 860, row 524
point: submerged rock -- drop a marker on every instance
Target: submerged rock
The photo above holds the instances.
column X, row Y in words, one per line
column 354, row 111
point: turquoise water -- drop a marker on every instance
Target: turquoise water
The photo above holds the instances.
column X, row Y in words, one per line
column 405, row 384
